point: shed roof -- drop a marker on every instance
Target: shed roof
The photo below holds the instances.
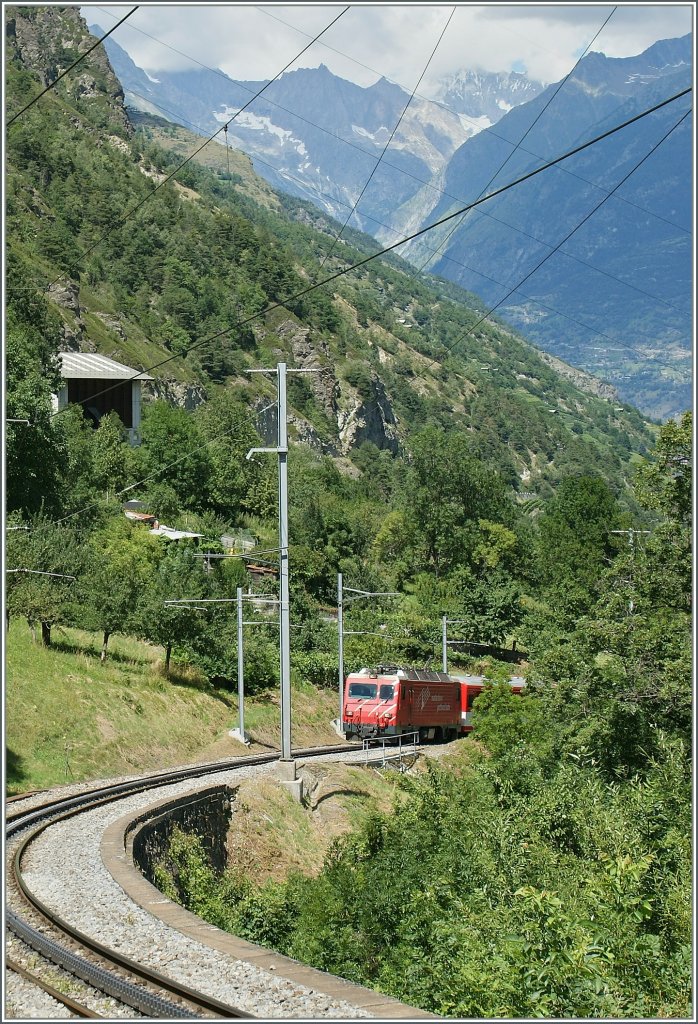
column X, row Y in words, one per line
column 167, row 531
column 90, row 366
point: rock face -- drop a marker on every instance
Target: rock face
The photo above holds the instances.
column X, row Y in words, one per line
column 369, row 419
column 359, row 417
column 66, row 294
column 308, row 353
column 299, row 429
column 113, row 323
column 186, row 396
column 48, row 40
column 75, row 339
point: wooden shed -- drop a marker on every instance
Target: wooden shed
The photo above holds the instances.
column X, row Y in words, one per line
column 101, row 386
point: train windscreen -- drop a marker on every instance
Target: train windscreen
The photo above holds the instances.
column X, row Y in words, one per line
column 363, row 689
column 386, row 691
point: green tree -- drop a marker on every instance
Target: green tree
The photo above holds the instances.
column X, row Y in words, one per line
column 122, row 564
column 234, row 480
column 664, row 484
column 576, row 544
column 43, row 564
column 623, row 675
column 110, row 454
column 179, row 574
column 77, row 480
column 35, row 453
column 448, row 492
column 489, row 604
column 171, row 438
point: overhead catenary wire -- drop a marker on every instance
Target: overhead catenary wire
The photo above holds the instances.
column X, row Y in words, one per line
column 479, row 273
column 395, row 245
column 530, row 128
column 568, row 235
column 134, row 209
column 52, row 85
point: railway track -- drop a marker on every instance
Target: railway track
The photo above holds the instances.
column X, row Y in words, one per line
column 143, row 989
column 76, row 1008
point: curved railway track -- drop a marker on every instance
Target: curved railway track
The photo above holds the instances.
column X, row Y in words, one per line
column 132, row 984
column 77, row 1008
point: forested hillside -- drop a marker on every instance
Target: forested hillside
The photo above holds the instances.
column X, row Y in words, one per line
column 318, row 136
column 215, row 247
column 435, row 456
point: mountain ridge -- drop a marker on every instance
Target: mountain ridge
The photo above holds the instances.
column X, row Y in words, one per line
column 503, row 242
column 335, row 112
column 424, row 162
column 486, row 94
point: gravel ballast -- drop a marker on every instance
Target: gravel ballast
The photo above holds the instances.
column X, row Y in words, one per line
column 64, row 868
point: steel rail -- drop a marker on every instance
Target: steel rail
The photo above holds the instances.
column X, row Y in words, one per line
column 144, row 782
column 126, row 991
column 77, row 1008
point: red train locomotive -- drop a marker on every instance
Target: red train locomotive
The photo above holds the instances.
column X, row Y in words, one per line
column 388, row 701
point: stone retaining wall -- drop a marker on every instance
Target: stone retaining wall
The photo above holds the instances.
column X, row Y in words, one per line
column 205, row 813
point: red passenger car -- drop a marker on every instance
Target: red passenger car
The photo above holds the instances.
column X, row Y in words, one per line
column 388, row 701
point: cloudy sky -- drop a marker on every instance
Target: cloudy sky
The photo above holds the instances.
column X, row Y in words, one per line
column 251, row 41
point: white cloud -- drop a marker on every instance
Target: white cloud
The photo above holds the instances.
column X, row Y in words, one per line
column 394, row 40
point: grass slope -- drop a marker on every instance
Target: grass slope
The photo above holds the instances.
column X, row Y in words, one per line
column 69, row 718
column 271, row 834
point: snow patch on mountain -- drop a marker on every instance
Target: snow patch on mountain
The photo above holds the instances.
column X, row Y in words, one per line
column 473, row 125
column 255, row 123
column 380, row 135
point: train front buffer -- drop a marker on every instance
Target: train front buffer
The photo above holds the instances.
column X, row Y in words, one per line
column 370, row 706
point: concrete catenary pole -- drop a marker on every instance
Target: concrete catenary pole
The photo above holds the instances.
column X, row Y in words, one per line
column 444, row 645
column 241, row 669
column 284, row 614
column 281, row 451
column 340, row 644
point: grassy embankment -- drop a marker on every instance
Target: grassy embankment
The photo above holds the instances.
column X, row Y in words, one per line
column 69, row 718
column 271, row 834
